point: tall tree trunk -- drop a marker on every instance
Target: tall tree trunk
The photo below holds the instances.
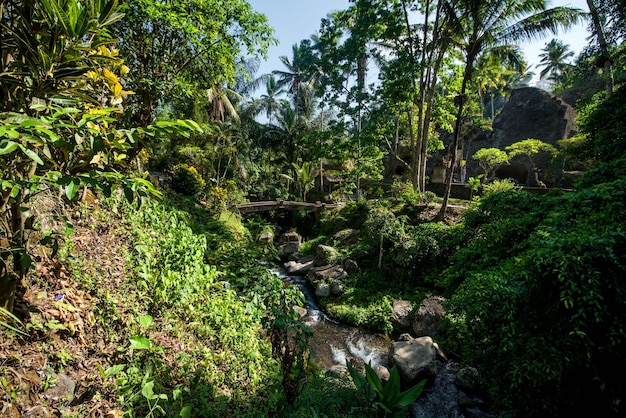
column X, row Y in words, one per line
column 416, row 143
column 604, row 48
column 467, row 74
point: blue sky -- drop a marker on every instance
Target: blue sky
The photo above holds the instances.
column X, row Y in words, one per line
column 294, row 20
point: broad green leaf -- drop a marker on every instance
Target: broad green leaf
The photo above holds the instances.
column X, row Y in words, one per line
column 7, row 147
column 410, row 395
column 72, row 188
column 113, row 370
column 65, row 111
column 373, row 379
column 392, row 387
column 185, row 412
column 145, row 321
column 358, row 379
column 139, row 343
column 31, row 154
column 29, row 123
column 147, row 390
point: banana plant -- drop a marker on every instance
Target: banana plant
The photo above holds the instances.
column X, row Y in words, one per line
column 389, row 401
column 305, row 173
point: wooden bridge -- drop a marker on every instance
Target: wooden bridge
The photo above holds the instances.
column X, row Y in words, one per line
column 285, row 205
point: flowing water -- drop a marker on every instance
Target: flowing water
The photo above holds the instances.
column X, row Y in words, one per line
column 334, row 342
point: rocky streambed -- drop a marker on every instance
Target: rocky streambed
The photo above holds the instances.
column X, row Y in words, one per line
column 451, row 390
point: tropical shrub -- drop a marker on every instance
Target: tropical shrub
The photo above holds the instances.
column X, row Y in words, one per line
column 498, row 186
column 389, row 400
column 187, row 181
column 62, row 95
column 425, row 250
column 202, row 300
column 604, row 128
column 489, row 159
column 541, row 308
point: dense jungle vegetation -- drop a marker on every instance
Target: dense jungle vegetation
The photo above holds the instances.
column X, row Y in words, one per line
column 130, row 285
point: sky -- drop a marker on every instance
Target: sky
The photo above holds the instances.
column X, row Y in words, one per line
column 295, row 20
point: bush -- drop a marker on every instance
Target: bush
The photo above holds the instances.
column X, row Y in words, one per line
column 604, row 173
column 498, row 186
column 541, row 305
column 187, row 181
column 351, row 216
column 425, row 251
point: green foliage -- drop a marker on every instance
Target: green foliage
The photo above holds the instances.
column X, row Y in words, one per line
column 58, row 125
column 364, row 303
column 495, row 230
column 305, row 173
column 229, row 359
column 603, row 173
column 183, row 48
column 389, row 400
column 7, row 319
column 497, row 186
column 288, row 336
column 187, row 181
column 308, row 247
column 330, row 396
column 530, row 148
column 489, row 159
column 604, row 128
column 350, row 216
column 473, row 183
column 424, row 252
column 405, row 193
column 541, row 290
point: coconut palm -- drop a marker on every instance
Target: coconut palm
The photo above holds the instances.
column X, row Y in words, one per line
column 269, row 102
column 222, row 103
column 481, row 26
column 298, row 78
column 554, row 60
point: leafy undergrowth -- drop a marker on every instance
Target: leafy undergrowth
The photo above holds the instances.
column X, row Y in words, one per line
column 133, row 322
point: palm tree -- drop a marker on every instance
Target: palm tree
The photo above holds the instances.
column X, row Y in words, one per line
column 598, row 31
column 553, row 59
column 269, row 101
column 222, row 103
column 297, row 77
column 480, row 26
column 286, row 128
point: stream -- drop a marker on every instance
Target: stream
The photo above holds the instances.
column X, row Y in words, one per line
column 334, row 342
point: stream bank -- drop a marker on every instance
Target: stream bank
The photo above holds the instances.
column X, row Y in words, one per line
column 334, row 342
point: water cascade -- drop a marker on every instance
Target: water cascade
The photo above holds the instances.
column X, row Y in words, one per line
column 334, row 342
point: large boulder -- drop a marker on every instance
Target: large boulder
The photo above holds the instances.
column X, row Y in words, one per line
column 428, row 317
column 533, row 113
column 324, row 255
column 400, row 314
column 529, row 113
column 325, row 274
column 415, row 359
column 300, row 266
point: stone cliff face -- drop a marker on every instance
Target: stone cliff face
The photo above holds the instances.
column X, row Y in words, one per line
column 532, row 113
column 529, row 113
